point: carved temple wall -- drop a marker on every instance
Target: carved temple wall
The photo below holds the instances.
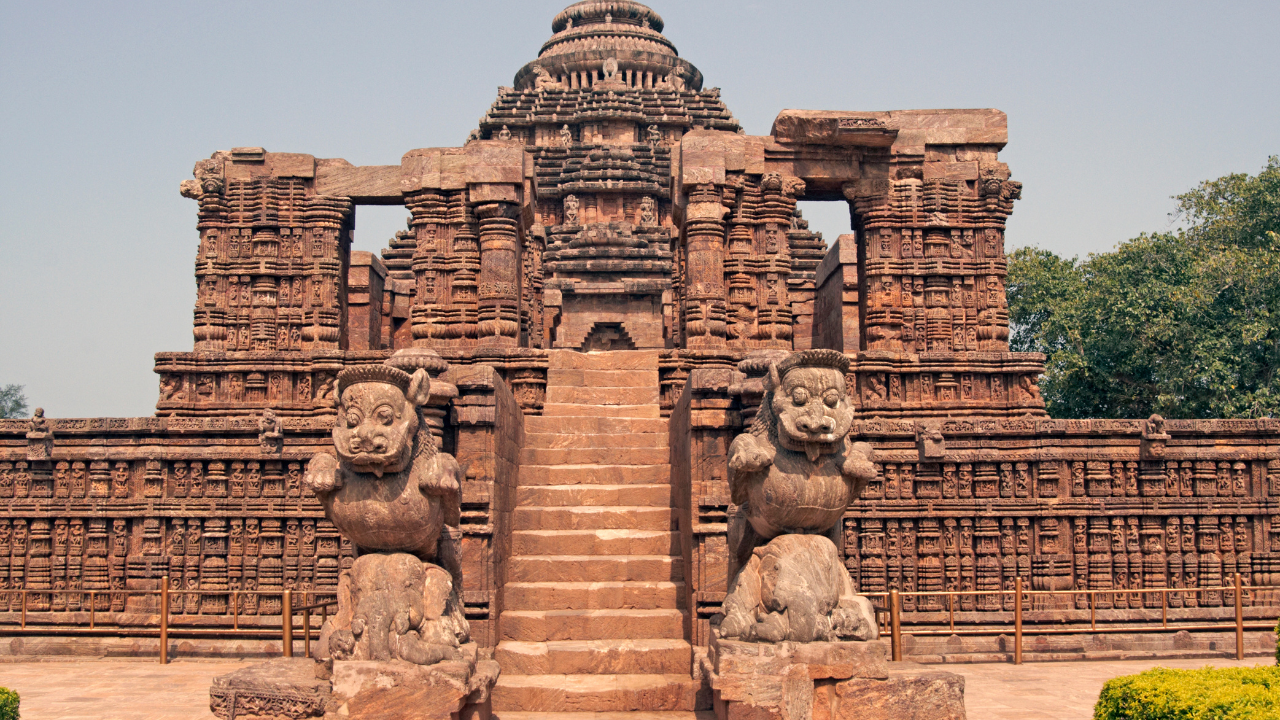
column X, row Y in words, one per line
column 1065, row 504
column 118, row 503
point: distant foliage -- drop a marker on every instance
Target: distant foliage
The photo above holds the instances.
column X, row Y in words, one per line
column 13, row 404
column 8, row 704
column 1205, row 694
column 1184, row 324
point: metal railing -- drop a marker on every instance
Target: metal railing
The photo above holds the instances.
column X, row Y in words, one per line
column 165, row 628
column 891, row 616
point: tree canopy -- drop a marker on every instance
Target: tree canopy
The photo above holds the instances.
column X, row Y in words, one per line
column 1185, row 323
column 13, row 402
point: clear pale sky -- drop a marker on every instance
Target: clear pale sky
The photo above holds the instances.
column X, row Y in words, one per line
column 104, row 108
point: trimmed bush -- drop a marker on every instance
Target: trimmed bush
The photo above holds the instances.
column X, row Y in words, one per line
column 8, row 704
column 1205, row 694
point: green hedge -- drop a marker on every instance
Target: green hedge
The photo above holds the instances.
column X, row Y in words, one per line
column 1206, row 694
column 8, row 704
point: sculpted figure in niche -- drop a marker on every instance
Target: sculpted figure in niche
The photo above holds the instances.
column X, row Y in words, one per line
column 653, row 135
column 270, row 432
column 542, row 80
column 570, row 209
column 391, row 492
column 648, row 212
column 792, row 477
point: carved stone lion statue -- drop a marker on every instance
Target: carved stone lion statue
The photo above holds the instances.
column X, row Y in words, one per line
column 392, row 493
column 389, row 489
column 792, row 476
column 796, row 470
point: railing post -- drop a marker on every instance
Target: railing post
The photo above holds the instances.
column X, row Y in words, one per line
column 1239, row 622
column 1164, row 608
column 286, row 618
column 895, row 625
column 951, row 611
column 92, row 610
column 164, row 620
column 306, row 627
column 24, row 609
column 1093, row 612
column 1017, row 621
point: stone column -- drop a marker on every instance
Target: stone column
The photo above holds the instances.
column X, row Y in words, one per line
column 705, row 321
column 499, row 307
column 429, row 215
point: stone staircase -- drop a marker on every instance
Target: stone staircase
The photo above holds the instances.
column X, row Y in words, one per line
column 592, row 626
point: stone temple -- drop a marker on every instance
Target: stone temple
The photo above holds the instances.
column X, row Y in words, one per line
column 601, row 284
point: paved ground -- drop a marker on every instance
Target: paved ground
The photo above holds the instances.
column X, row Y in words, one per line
column 146, row 690
column 1053, row 690
column 114, row 689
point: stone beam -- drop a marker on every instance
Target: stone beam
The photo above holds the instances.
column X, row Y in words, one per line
column 899, row 129
column 364, row 185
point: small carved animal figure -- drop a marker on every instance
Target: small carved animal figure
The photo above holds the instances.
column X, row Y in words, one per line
column 796, row 589
column 394, row 607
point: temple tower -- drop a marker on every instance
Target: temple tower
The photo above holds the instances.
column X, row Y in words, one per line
column 600, row 114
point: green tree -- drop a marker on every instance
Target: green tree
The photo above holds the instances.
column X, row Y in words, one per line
column 13, row 402
column 1186, row 324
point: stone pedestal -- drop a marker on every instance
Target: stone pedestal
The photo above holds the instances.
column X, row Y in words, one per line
column 451, row 690
column 826, row 681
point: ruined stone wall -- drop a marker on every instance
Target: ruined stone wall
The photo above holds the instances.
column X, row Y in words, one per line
column 1065, row 504
column 489, row 432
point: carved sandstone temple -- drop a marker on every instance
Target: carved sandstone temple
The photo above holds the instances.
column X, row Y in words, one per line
column 610, row 202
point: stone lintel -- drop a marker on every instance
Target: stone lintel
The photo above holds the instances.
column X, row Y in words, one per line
column 364, row 184
column 905, row 130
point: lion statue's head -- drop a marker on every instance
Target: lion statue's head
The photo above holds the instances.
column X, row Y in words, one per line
column 378, row 417
column 807, row 403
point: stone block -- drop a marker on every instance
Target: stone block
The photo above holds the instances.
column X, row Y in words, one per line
column 367, row 690
column 279, row 688
column 909, row 693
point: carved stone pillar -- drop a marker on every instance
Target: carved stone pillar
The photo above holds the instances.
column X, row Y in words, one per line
column 432, row 236
column 705, row 319
column 499, row 307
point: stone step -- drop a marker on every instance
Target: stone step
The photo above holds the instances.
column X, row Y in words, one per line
column 624, row 715
column 568, row 424
column 554, row 409
column 593, row 693
column 615, row 360
column 603, row 395
column 622, row 624
column 602, row 378
column 595, row 568
column 594, row 657
column 616, row 517
column 593, row 595
column 598, row 495
column 595, row 456
column 595, row 440
column 595, row 542
column 594, row 474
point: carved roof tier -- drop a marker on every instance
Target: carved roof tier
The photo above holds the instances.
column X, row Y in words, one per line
column 645, row 106
column 587, row 34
